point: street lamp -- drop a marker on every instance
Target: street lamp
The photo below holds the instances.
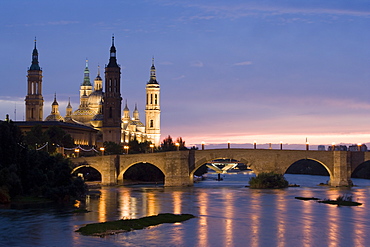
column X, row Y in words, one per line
column 255, row 145
column 177, row 146
column 359, row 146
column 203, row 143
column 228, row 144
column 333, row 146
column 151, row 147
column 126, row 148
column 102, row 149
column 77, row 151
column 281, row 145
column 307, row 146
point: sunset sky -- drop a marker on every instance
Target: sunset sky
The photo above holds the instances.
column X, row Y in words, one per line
column 238, row 71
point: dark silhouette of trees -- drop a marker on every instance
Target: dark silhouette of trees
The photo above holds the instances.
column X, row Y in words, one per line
column 30, row 172
column 135, row 147
column 168, row 144
column 112, row 148
column 54, row 136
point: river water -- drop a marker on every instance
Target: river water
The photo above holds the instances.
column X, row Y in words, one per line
column 228, row 214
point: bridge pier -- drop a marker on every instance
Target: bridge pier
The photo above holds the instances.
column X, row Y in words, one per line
column 341, row 175
column 177, row 167
column 109, row 170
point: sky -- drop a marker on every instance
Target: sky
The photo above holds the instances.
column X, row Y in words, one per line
column 238, row 71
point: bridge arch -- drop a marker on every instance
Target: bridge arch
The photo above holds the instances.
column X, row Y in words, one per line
column 87, row 166
column 120, row 178
column 362, row 170
column 84, row 165
column 206, row 160
column 311, row 159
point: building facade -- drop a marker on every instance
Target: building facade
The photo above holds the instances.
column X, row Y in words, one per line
column 100, row 110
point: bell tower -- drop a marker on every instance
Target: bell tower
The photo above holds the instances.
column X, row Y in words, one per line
column 152, row 109
column 112, row 99
column 34, row 100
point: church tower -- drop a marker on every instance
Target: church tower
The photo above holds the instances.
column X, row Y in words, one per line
column 112, row 99
column 34, row 99
column 152, row 109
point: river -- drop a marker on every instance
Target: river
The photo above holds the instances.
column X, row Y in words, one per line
column 228, row 214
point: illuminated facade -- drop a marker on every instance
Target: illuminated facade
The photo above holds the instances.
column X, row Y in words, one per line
column 34, row 100
column 100, row 110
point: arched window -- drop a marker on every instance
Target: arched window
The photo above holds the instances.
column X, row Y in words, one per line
column 151, row 123
column 155, row 99
column 110, row 112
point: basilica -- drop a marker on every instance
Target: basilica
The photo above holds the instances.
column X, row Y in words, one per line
column 99, row 117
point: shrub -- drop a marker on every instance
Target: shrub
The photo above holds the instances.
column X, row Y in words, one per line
column 268, row 180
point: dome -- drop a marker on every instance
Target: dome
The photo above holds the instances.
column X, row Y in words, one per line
column 83, row 115
column 54, row 117
column 94, row 100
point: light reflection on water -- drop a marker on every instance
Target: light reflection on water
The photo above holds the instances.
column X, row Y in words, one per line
column 228, row 214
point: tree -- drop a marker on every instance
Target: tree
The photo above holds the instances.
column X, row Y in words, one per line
column 181, row 143
column 54, row 136
column 168, row 144
column 136, row 147
column 268, row 180
column 30, row 172
column 112, row 148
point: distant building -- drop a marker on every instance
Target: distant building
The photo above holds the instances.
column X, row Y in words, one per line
column 321, row 147
column 99, row 112
column 354, row 147
column 337, row 148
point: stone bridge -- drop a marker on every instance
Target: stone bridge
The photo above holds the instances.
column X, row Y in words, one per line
column 178, row 167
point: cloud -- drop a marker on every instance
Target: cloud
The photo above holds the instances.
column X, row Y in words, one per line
column 198, row 64
column 62, row 22
column 50, row 23
column 243, row 63
column 234, row 11
column 179, row 77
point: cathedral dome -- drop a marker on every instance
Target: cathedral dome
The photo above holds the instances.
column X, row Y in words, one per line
column 83, row 115
column 94, row 100
column 54, row 117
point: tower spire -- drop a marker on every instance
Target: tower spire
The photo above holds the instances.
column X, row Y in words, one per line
column 34, row 99
column 35, row 59
column 153, row 77
column 112, row 58
column 86, row 81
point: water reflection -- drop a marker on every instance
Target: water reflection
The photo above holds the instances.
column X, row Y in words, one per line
column 203, row 219
column 228, row 214
column 228, row 208
column 177, row 202
column 128, row 205
column 255, row 206
column 281, row 214
column 361, row 214
column 307, row 220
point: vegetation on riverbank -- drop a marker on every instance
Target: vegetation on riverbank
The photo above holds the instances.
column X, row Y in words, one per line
column 118, row 226
column 268, row 180
column 306, row 198
column 340, row 201
column 32, row 173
